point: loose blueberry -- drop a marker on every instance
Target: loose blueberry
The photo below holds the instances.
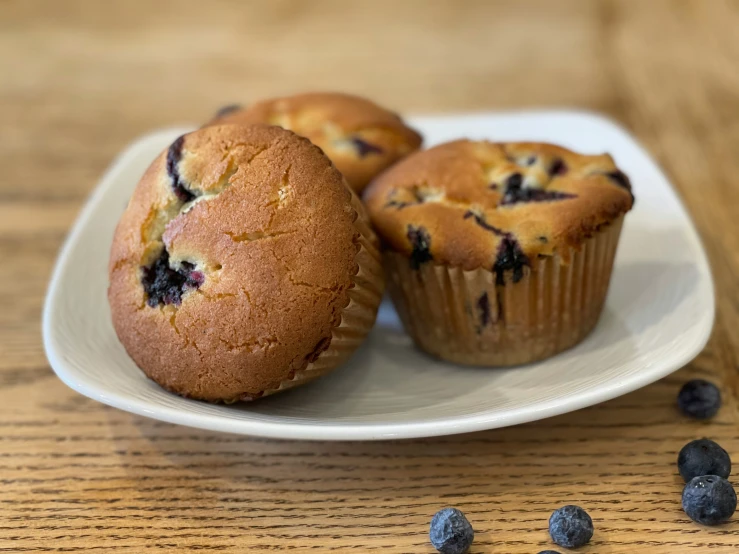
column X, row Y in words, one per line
column 510, row 258
column 174, row 155
column 703, row 457
column 364, row 148
column 548, row 552
column 450, row 532
column 709, row 499
column 164, row 285
column 421, row 242
column 225, row 110
column 571, row 527
column 699, row 399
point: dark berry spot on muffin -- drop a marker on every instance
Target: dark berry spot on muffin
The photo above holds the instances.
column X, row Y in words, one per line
column 397, row 204
column 165, row 285
column 417, row 198
column 622, row 180
column 480, row 220
column 514, row 181
column 174, row 154
column 420, row 194
column 529, row 161
column 225, row 110
column 483, row 307
column 543, row 240
column 421, row 242
column 558, row 167
column 364, row 148
column 515, row 193
column 510, row 258
column 493, row 186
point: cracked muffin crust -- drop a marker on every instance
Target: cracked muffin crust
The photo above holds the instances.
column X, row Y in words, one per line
column 360, row 137
column 499, row 253
column 243, row 265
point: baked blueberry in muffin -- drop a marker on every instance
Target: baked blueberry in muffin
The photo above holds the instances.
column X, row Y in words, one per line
column 360, row 137
column 243, row 265
column 499, row 254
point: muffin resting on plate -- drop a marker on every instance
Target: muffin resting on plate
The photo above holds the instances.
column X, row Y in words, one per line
column 242, row 266
column 499, row 254
column 360, row 137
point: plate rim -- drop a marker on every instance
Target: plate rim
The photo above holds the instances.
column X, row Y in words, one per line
column 361, row 431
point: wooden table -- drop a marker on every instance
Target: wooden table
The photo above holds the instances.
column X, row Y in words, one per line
column 80, row 80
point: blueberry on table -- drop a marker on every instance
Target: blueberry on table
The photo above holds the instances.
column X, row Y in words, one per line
column 699, row 399
column 450, row 532
column 709, row 499
column 703, row 457
column 548, row 552
column 570, row 526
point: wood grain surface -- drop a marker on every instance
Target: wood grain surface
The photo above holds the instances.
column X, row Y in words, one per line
column 80, row 80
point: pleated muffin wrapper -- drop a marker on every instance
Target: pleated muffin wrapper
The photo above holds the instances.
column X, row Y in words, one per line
column 466, row 318
column 357, row 317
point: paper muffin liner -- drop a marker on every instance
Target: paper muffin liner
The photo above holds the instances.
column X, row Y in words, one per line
column 464, row 317
column 358, row 317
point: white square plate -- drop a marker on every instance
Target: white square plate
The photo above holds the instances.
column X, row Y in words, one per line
column 658, row 316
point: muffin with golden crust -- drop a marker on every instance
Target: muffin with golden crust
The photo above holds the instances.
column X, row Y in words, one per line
column 242, row 266
column 360, row 137
column 499, row 254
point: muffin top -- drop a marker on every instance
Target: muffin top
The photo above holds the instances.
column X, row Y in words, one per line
column 495, row 205
column 232, row 262
column 360, row 137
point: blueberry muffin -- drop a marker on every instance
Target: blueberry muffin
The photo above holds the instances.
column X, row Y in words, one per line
column 243, row 265
column 360, row 137
column 499, row 254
